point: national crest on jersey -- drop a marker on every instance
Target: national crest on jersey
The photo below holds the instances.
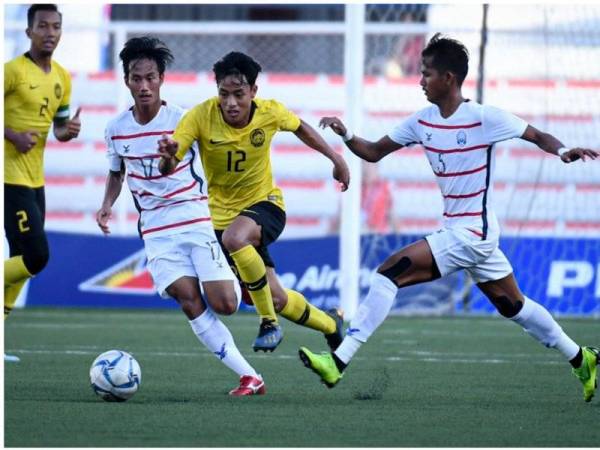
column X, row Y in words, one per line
column 167, row 204
column 460, row 151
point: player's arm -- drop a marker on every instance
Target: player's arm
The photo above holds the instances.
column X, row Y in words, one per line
column 367, row 150
column 310, row 137
column 112, row 190
column 68, row 129
column 23, row 141
column 552, row 145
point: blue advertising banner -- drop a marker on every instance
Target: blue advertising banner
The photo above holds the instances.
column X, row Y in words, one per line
column 98, row 271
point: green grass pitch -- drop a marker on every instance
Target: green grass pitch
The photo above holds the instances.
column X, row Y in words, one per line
column 419, row 382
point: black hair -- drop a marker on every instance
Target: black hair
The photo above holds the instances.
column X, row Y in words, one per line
column 237, row 63
column 146, row 47
column 448, row 55
column 40, row 7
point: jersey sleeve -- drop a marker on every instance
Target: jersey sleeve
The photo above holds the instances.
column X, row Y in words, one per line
column 10, row 78
column 405, row 132
column 500, row 125
column 187, row 131
column 286, row 119
column 62, row 114
column 114, row 160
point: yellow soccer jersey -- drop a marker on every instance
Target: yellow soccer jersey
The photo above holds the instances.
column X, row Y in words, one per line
column 237, row 161
column 32, row 100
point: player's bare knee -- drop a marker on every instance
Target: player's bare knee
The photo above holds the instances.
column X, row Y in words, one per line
column 506, row 306
column 234, row 241
column 396, row 269
column 226, row 305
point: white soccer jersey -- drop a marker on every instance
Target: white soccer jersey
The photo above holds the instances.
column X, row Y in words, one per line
column 459, row 149
column 167, row 204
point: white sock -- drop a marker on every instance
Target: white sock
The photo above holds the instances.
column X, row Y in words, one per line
column 539, row 324
column 370, row 314
column 216, row 337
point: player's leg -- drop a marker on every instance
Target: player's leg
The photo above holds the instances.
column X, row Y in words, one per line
column 174, row 275
column 505, row 295
column 24, row 212
column 295, row 307
column 222, row 293
column 411, row 265
column 224, row 296
column 240, row 240
column 256, row 227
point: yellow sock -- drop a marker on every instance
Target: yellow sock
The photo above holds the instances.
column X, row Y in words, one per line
column 11, row 292
column 253, row 273
column 15, row 270
column 297, row 309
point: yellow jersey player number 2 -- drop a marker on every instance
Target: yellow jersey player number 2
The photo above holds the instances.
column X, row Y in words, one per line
column 37, row 91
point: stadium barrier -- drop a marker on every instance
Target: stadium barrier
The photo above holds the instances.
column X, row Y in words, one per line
column 97, row 271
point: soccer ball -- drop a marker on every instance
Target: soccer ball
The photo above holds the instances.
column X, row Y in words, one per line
column 115, row 376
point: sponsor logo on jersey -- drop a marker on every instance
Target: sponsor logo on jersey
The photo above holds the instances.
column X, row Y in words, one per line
column 216, row 141
column 257, row 137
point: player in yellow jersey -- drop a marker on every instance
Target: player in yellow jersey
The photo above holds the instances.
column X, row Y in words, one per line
column 234, row 132
column 37, row 91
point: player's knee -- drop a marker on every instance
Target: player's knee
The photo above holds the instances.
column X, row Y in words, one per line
column 507, row 307
column 234, row 241
column 226, row 305
column 396, row 269
column 36, row 255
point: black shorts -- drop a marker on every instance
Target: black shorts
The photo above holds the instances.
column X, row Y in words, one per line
column 24, row 215
column 271, row 218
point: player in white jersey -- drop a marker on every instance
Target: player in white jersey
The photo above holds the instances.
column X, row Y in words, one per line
column 458, row 136
column 181, row 246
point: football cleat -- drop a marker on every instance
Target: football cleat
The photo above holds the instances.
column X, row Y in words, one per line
column 587, row 372
column 249, row 385
column 269, row 336
column 335, row 339
column 11, row 358
column 323, row 365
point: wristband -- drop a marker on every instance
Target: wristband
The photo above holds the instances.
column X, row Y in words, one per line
column 349, row 135
column 561, row 151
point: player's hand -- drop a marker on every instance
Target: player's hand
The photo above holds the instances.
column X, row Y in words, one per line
column 102, row 217
column 576, row 153
column 167, row 147
column 25, row 141
column 74, row 125
column 335, row 124
column 341, row 173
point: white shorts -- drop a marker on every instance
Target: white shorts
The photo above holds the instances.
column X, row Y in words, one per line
column 458, row 248
column 194, row 254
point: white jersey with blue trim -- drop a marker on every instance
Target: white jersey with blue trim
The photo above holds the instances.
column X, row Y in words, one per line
column 460, row 152
column 168, row 204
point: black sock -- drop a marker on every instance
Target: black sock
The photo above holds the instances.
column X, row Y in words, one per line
column 576, row 362
column 341, row 365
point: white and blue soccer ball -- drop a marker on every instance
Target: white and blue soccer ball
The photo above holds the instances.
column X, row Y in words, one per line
column 115, row 376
